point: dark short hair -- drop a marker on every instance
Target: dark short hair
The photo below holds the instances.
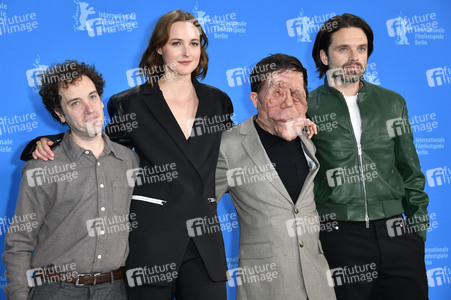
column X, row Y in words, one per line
column 62, row 75
column 152, row 64
column 324, row 37
column 273, row 63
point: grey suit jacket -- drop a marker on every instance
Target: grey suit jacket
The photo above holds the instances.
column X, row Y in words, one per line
column 280, row 252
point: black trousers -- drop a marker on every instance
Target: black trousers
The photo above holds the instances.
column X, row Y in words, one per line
column 193, row 283
column 374, row 263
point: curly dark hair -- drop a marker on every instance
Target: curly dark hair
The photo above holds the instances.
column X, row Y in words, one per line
column 61, row 76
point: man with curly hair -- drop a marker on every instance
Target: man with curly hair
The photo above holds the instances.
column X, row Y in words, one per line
column 69, row 235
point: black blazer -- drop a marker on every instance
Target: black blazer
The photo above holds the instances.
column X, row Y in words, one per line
column 141, row 118
column 161, row 235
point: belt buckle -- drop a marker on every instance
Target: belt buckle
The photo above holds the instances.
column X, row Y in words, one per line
column 77, row 281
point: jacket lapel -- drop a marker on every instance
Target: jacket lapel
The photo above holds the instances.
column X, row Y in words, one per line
column 257, row 153
column 157, row 105
column 309, row 152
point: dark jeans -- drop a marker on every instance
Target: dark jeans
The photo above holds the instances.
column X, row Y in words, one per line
column 193, row 283
column 69, row 291
column 374, row 262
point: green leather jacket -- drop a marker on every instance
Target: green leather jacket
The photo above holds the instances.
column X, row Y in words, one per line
column 377, row 179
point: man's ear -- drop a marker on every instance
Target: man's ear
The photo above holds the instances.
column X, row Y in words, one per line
column 254, row 98
column 323, row 56
column 60, row 115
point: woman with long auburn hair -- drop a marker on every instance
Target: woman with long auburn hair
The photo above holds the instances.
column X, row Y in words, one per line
column 174, row 123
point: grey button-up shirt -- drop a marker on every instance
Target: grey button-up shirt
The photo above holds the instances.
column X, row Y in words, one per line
column 72, row 214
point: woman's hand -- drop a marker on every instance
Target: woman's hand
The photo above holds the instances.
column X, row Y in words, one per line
column 43, row 150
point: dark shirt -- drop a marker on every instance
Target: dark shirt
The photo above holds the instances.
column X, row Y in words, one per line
column 289, row 160
column 72, row 212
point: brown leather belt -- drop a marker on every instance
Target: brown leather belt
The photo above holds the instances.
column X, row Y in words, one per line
column 85, row 279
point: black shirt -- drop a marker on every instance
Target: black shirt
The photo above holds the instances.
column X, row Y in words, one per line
column 289, row 160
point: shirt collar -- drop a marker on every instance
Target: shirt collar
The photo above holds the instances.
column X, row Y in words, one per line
column 74, row 151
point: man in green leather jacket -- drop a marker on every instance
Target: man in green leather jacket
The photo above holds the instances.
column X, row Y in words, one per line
column 370, row 173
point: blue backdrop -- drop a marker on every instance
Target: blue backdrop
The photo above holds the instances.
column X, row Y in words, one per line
column 411, row 56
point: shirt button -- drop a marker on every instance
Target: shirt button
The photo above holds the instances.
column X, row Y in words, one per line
column 296, row 211
column 98, row 163
column 102, row 232
column 99, row 256
column 101, row 185
column 102, row 208
column 301, row 244
column 86, row 152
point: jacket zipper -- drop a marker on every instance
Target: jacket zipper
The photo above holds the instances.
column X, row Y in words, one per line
column 367, row 219
column 359, row 152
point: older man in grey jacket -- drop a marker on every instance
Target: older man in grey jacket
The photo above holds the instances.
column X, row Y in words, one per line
column 267, row 164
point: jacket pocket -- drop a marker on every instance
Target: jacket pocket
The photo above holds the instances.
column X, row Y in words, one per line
column 256, row 250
